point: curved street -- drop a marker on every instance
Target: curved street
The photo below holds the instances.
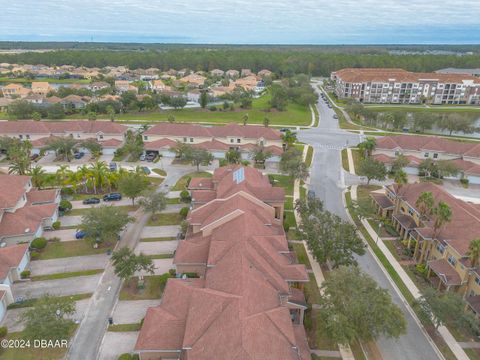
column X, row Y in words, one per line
column 329, row 180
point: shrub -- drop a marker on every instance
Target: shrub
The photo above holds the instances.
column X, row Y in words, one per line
column 54, row 239
column 25, row 274
column 172, row 272
column 223, row 162
column 286, row 227
column 464, row 182
column 38, row 243
column 3, row 331
column 125, row 356
column 188, row 179
column 184, row 212
column 212, row 108
column 245, row 162
column 184, row 227
column 65, row 205
column 56, row 225
column 421, row 269
column 185, row 196
column 136, row 356
column 66, row 191
column 34, row 255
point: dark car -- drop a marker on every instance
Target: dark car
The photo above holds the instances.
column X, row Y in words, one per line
column 113, row 166
column 80, row 234
column 112, row 197
column 79, row 155
column 90, row 201
column 150, row 157
column 146, row 170
column 34, row 157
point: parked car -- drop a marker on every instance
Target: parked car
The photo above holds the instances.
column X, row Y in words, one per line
column 335, row 116
column 146, row 170
column 142, row 157
column 34, row 157
column 112, row 197
column 79, row 155
column 80, row 234
column 90, row 201
column 150, row 157
column 113, row 166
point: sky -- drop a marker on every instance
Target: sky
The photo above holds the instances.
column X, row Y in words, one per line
column 243, row 21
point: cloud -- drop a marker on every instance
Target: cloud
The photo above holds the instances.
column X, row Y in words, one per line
column 243, row 21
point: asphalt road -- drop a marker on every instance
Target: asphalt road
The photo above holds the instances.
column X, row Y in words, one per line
column 88, row 338
column 328, row 180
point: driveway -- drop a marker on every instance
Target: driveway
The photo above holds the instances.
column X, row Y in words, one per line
column 63, row 235
column 174, row 208
column 47, row 158
column 173, row 194
column 60, row 287
column 71, row 220
column 161, row 267
column 77, row 204
column 156, row 247
column 12, row 319
column 116, row 343
column 159, row 231
column 131, row 312
column 108, row 158
column 69, row 264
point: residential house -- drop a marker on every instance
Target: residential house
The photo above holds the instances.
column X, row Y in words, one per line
column 98, row 85
column 25, row 212
column 248, row 290
column 217, row 72
column 14, row 260
column 74, row 101
column 15, row 91
column 194, row 80
column 443, row 250
column 194, row 95
column 4, row 102
column 217, row 139
column 122, row 86
column 37, row 100
column 465, row 156
column 232, row 74
column 248, row 83
column 159, row 86
column 41, row 88
column 246, row 72
column 264, row 73
column 404, row 87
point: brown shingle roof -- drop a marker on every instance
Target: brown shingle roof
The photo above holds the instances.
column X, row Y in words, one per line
column 10, row 257
column 25, row 220
column 445, row 272
column 12, row 188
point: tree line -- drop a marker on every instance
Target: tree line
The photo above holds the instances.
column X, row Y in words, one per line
column 282, row 61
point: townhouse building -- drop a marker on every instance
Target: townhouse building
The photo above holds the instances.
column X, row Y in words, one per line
column 163, row 137
column 398, row 86
column 443, row 250
column 41, row 88
column 15, row 91
column 464, row 156
column 245, row 291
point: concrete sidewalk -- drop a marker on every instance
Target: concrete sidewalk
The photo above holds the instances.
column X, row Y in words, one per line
column 351, row 163
column 444, row 332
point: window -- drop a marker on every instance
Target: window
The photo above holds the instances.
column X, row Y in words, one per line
column 100, row 136
column 20, row 136
column 145, row 137
column 184, row 139
column 452, row 260
column 435, row 155
column 232, row 140
column 426, row 154
column 238, row 141
column 410, row 211
column 27, row 136
column 440, row 248
column 191, row 139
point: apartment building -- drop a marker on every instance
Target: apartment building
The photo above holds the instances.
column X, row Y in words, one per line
column 24, row 211
column 246, row 297
column 398, row 86
column 465, row 156
column 444, row 250
column 163, row 137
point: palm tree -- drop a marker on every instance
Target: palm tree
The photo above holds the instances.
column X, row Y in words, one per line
column 61, row 175
column 266, row 121
column 425, row 203
column 289, row 138
column 37, row 173
column 62, row 146
column 442, row 214
column 400, row 177
column 83, row 173
column 233, row 156
column 99, row 175
column 368, row 146
column 245, row 119
column 474, row 252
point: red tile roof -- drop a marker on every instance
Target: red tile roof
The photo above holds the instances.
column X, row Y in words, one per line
column 12, row 188
column 160, row 144
column 60, row 127
column 25, row 220
column 42, row 196
column 10, row 257
column 445, row 272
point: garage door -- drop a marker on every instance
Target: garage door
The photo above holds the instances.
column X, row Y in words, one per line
column 218, row 154
column 2, row 310
column 167, row 153
column 108, row 151
column 474, row 179
column 411, row 170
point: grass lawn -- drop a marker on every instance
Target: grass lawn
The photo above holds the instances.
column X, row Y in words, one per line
column 284, row 181
column 293, row 234
column 309, row 157
column 160, row 172
column 290, row 219
column 66, row 275
column 357, row 158
column 173, row 201
column 294, row 114
column 153, row 289
column 345, row 160
column 301, row 253
column 182, row 182
column 124, row 327
column 63, row 249
column 317, row 118
column 31, row 302
column 155, row 239
column 78, row 212
column 33, row 353
column 165, row 219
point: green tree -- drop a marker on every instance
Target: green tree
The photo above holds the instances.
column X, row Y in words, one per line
column 266, row 121
column 49, row 318
column 98, row 175
column 36, row 116
column 331, row 240
column 183, row 150
column 354, row 307
column 399, row 163
column 233, row 156
column 245, row 119
column 200, row 157
column 425, row 203
column 178, row 102
column 132, row 185
column 474, row 252
column 126, row 263
column 93, row 146
column 372, row 170
column 203, row 99
column 63, row 146
column 133, row 145
column 104, row 223
column 92, row 115
column 110, row 112
column 38, row 176
column 289, row 138
column 442, row 214
column 20, row 109
column 259, row 154
column 18, row 153
column 153, row 202
column 292, row 164
column 171, row 119
column 443, row 308
column 279, row 97
column 55, row 112
column 400, row 177
column 367, row 146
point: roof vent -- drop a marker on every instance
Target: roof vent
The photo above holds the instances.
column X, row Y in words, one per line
column 27, row 230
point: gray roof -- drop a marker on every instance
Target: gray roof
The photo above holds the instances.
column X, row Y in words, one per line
column 474, row 72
